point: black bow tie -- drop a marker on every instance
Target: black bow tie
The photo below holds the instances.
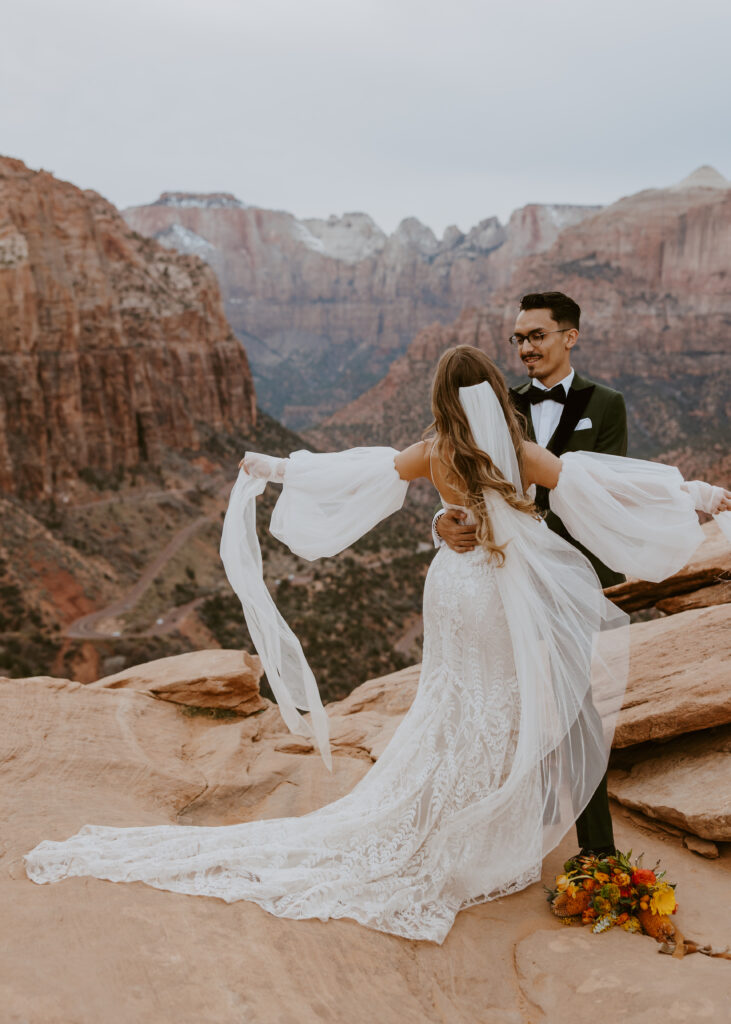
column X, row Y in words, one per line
column 557, row 394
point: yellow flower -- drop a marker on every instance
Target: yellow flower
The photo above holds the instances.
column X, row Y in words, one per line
column 601, row 877
column 562, row 882
column 622, row 878
column 663, row 900
column 573, row 889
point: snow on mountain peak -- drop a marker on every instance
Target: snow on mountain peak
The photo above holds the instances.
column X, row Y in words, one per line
column 184, row 240
column 351, row 237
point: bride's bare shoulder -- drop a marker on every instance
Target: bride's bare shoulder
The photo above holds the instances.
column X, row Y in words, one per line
column 413, row 462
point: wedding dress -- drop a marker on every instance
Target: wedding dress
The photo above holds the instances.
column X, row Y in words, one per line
column 523, row 674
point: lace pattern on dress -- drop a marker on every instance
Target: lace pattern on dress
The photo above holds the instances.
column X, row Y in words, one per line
column 401, row 852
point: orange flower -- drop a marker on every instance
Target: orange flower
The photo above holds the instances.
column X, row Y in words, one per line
column 643, row 876
column 601, row 877
column 622, row 878
column 589, row 884
column 622, row 918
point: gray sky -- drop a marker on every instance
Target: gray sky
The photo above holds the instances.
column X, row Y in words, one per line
column 450, row 111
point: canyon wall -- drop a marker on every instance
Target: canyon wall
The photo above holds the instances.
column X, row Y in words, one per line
column 651, row 273
column 324, row 306
column 112, row 347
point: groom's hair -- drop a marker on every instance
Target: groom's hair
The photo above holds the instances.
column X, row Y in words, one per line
column 563, row 309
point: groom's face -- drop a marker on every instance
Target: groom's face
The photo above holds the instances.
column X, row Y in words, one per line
column 547, row 358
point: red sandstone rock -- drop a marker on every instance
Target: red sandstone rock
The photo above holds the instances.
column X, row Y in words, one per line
column 204, row 679
column 678, row 676
column 704, row 581
column 685, row 782
column 83, row 948
column 111, row 347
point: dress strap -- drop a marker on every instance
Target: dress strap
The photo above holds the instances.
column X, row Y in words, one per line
column 431, row 457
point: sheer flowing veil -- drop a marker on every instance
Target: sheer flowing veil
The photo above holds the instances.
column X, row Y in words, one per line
column 490, row 429
column 571, row 674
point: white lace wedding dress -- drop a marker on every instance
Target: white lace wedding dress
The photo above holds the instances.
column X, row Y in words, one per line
column 392, row 853
column 505, row 742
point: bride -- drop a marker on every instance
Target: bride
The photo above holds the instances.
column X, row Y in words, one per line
column 523, row 674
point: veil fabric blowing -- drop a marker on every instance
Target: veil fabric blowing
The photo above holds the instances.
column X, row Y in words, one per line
column 570, row 647
column 426, row 832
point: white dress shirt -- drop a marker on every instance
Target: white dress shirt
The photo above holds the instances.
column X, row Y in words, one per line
column 545, row 415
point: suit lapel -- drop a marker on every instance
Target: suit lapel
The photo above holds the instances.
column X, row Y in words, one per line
column 519, row 396
column 576, row 401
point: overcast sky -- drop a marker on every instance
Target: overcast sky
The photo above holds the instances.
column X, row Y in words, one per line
column 450, row 111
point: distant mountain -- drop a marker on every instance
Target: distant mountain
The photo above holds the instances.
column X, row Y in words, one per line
column 652, row 273
column 112, row 348
column 325, row 306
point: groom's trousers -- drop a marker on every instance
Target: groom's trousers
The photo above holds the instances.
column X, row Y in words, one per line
column 594, row 825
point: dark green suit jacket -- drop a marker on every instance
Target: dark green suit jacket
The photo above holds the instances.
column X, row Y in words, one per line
column 605, row 408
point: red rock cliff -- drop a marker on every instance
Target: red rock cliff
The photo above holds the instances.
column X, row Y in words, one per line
column 324, row 306
column 651, row 273
column 111, row 346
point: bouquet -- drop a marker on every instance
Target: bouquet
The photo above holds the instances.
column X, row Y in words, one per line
column 608, row 891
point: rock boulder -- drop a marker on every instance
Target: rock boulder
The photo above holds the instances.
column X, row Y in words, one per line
column 678, row 676
column 203, row 679
column 686, row 782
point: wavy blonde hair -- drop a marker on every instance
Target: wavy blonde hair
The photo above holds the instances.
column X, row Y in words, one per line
column 469, row 469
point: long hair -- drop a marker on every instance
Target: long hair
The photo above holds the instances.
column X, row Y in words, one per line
column 469, row 469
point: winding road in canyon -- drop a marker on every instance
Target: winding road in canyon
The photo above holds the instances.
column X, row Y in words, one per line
column 89, row 627
column 102, row 624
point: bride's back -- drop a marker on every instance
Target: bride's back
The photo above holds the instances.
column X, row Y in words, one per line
column 450, row 487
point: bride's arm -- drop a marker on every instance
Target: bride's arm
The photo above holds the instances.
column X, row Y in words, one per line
column 539, row 466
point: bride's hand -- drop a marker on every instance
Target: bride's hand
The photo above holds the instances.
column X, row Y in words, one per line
column 266, row 467
column 724, row 505
column 708, row 498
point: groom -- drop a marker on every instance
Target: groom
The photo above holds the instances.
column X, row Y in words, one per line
column 564, row 413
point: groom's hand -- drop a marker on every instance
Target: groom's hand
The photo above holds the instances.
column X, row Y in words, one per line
column 454, row 533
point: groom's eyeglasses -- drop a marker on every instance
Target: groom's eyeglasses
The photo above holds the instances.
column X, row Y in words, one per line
column 535, row 337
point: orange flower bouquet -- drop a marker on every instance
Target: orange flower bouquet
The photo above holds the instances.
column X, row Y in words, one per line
column 607, row 891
